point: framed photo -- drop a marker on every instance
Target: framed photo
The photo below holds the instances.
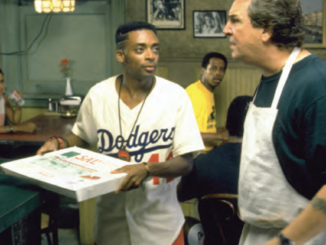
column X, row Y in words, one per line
column 315, row 23
column 166, row 14
column 209, row 23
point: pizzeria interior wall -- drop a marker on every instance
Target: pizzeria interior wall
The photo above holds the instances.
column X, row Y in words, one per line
column 180, row 56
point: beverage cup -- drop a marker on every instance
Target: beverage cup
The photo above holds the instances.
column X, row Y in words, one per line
column 14, row 96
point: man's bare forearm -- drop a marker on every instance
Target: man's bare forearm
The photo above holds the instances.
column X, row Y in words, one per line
column 74, row 140
column 214, row 139
column 310, row 222
column 180, row 165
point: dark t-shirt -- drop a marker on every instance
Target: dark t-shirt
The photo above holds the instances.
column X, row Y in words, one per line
column 214, row 172
column 299, row 133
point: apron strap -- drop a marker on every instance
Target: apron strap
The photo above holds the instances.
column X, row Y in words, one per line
column 284, row 76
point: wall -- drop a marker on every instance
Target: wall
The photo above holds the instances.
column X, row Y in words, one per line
column 28, row 112
column 85, row 37
column 181, row 54
column 0, row 52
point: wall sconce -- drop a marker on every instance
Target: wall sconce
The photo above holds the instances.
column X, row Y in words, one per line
column 48, row 6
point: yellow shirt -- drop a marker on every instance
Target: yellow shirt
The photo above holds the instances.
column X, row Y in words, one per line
column 204, row 107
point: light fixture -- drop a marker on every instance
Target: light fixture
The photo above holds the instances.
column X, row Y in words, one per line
column 48, row 6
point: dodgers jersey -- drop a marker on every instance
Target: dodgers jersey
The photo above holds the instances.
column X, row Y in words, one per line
column 166, row 127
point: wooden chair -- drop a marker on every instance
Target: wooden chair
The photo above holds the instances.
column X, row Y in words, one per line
column 219, row 217
column 50, row 207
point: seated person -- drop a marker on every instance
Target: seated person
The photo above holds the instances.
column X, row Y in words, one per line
column 13, row 115
column 218, row 170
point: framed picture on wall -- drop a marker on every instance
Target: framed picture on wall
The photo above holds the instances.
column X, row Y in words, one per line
column 209, row 23
column 166, row 14
column 314, row 23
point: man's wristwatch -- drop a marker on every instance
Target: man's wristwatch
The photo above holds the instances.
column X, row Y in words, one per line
column 284, row 240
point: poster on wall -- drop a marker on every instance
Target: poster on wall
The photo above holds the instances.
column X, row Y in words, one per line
column 209, row 23
column 166, row 14
column 314, row 22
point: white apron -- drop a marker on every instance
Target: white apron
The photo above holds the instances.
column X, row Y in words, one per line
column 267, row 201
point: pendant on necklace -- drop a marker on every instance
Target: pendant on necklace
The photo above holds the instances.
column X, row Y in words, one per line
column 124, row 155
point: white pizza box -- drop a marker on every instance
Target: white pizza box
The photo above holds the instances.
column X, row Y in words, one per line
column 74, row 172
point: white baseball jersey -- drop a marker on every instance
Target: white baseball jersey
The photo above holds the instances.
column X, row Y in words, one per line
column 166, row 126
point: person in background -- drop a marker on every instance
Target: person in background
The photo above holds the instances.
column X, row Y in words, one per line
column 201, row 93
column 282, row 191
column 218, row 170
column 12, row 114
column 149, row 121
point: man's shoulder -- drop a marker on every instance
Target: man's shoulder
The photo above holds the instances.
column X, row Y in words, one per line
column 166, row 81
column 195, row 89
column 309, row 75
column 168, row 86
column 104, row 84
column 198, row 92
column 311, row 64
column 193, row 86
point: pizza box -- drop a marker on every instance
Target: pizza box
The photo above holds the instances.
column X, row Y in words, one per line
column 74, row 172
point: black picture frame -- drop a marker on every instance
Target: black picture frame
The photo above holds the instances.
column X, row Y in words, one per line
column 314, row 14
column 167, row 14
column 209, row 23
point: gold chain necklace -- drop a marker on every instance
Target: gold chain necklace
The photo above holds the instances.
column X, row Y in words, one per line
column 123, row 154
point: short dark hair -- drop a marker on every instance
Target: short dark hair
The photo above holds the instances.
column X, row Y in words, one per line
column 236, row 115
column 283, row 16
column 1, row 72
column 210, row 55
column 123, row 30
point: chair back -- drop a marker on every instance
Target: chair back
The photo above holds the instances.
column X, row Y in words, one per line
column 219, row 217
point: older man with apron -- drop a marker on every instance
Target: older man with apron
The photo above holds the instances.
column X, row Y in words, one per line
column 267, row 201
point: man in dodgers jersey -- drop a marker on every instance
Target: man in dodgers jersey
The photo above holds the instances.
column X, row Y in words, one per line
column 150, row 121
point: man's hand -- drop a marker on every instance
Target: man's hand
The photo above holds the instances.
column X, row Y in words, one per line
column 25, row 127
column 274, row 241
column 51, row 145
column 19, row 92
column 136, row 173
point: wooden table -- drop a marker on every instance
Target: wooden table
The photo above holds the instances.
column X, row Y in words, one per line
column 47, row 126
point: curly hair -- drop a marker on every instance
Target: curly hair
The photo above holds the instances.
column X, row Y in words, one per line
column 284, row 16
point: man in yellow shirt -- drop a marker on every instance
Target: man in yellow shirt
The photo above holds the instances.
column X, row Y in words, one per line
column 201, row 94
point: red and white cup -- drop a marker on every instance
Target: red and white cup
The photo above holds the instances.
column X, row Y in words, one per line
column 14, row 96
